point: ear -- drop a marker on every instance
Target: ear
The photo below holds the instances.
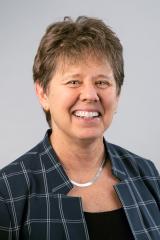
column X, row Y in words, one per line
column 42, row 96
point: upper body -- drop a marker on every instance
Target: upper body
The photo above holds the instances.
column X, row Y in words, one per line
column 78, row 74
column 35, row 201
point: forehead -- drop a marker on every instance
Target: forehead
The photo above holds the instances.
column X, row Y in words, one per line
column 83, row 65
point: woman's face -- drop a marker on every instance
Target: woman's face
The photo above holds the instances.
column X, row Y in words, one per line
column 82, row 99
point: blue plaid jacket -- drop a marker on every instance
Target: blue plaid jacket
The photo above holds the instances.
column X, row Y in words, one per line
column 34, row 202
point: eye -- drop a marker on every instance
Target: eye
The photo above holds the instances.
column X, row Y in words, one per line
column 73, row 83
column 103, row 83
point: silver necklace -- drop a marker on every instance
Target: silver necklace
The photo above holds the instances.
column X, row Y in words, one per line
column 92, row 181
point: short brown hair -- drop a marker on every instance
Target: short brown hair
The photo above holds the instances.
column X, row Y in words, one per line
column 73, row 40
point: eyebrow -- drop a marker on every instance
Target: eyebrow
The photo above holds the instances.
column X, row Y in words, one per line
column 77, row 75
column 104, row 76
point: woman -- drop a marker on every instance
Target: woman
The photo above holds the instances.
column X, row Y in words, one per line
column 75, row 185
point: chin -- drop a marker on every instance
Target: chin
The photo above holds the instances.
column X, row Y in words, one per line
column 89, row 136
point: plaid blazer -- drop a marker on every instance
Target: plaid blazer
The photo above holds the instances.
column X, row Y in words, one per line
column 34, row 202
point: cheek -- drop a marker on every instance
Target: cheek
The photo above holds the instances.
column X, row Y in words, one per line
column 110, row 102
column 62, row 101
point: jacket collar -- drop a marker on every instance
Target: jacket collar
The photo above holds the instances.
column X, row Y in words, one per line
column 124, row 165
column 61, row 183
column 118, row 169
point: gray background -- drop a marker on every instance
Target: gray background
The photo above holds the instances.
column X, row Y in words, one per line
column 137, row 123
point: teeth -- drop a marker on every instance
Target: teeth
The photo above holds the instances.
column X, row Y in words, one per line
column 86, row 114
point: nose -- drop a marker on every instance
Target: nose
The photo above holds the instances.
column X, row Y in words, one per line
column 89, row 93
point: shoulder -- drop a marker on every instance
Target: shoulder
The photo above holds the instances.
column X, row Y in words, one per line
column 32, row 160
column 12, row 175
column 29, row 159
column 131, row 162
column 15, row 178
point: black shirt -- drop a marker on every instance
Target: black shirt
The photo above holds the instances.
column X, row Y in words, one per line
column 110, row 225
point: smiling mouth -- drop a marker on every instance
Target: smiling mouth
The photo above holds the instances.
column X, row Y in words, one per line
column 87, row 114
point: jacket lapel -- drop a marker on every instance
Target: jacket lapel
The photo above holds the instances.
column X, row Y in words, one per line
column 133, row 193
column 66, row 209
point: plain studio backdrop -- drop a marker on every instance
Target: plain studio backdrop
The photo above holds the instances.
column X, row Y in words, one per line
column 136, row 125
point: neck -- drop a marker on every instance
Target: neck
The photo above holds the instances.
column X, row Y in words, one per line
column 78, row 155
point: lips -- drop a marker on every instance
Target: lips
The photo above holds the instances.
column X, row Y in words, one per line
column 86, row 114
